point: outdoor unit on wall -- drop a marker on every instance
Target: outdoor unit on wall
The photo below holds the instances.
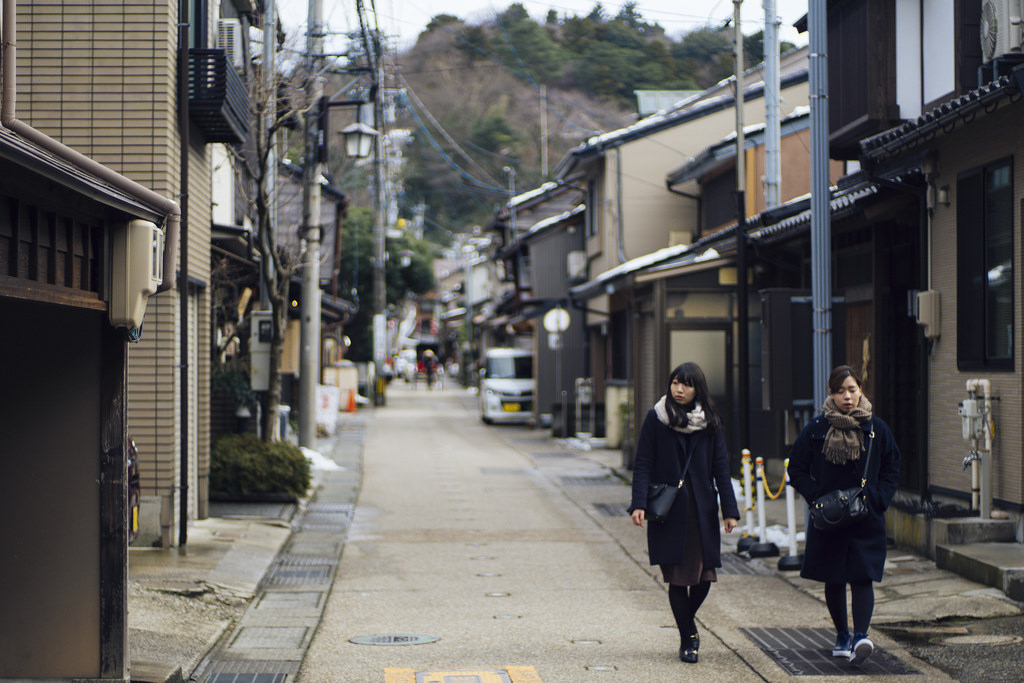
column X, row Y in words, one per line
column 229, row 39
column 136, row 267
column 1000, row 28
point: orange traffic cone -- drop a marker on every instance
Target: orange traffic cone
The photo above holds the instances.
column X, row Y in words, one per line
column 351, row 400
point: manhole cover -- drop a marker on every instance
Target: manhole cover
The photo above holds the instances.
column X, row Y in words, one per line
column 394, row 639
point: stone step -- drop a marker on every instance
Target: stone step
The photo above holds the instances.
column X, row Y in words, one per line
column 1000, row 565
column 974, row 530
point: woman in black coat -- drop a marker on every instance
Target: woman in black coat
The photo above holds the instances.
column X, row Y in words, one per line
column 830, row 454
column 683, row 433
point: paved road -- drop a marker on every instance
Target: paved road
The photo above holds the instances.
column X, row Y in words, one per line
column 498, row 554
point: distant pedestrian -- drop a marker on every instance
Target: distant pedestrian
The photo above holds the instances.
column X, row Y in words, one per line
column 684, row 433
column 430, row 367
column 829, row 454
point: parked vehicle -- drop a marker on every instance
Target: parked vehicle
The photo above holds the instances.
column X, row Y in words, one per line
column 506, row 386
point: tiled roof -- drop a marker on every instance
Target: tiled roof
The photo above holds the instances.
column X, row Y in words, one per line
column 939, row 121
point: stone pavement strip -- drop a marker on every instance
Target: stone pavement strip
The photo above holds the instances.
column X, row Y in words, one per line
column 268, row 643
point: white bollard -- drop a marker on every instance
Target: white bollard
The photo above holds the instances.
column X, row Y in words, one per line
column 763, row 548
column 792, row 560
column 759, row 484
column 748, row 494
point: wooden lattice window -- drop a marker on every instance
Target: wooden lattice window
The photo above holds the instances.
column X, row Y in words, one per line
column 49, row 255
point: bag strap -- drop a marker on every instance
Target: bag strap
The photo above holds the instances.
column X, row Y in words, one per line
column 682, row 477
column 867, row 461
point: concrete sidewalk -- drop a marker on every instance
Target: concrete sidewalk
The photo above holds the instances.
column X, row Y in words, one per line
column 249, row 590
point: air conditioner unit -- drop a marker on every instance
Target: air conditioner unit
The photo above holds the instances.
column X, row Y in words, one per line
column 229, row 39
column 1000, row 28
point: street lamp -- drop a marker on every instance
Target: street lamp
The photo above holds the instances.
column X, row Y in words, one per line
column 358, row 140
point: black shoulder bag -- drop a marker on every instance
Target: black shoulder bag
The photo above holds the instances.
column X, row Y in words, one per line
column 660, row 497
column 840, row 508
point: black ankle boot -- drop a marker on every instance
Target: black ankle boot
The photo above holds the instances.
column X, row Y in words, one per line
column 688, row 651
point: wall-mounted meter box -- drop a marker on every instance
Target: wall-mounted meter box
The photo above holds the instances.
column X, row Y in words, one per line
column 261, row 333
column 928, row 312
column 136, row 270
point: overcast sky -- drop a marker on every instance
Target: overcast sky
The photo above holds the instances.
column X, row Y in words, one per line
column 405, row 19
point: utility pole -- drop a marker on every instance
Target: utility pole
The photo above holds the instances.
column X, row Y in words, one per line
column 821, row 219
column 742, row 317
column 309, row 370
column 772, row 138
column 379, row 248
column 544, row 132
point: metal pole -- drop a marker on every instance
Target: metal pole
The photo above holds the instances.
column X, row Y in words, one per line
column 309, row 371
column 821, row 235
column 742, row 318
column 772, row 140
column 379, row 248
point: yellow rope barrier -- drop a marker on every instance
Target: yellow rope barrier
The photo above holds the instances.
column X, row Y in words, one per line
column 764, row 481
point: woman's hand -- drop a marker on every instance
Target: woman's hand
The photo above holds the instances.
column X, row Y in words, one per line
column 638, row 517
column 730, row 524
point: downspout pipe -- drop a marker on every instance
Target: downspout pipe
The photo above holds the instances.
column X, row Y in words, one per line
column 172, row 221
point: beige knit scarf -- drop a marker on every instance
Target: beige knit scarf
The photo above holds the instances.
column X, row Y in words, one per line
column 845, row 439
column 696, row 420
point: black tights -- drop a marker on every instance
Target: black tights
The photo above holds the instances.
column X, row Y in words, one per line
column 685, row 604
column 862, row 598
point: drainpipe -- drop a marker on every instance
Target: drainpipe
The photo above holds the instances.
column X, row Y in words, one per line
column 172, row 222
column 618, row 203
column 183, row 302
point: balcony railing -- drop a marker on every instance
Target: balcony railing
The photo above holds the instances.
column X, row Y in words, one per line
column 217, row 99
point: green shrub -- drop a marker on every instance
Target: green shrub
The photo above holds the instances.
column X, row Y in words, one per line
column 244, row 466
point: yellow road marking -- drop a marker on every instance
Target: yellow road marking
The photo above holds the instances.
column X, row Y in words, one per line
column 515, row 674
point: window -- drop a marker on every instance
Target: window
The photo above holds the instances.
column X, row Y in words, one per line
column 985, row 267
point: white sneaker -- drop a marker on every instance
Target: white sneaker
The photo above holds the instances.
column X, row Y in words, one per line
column 862, row 649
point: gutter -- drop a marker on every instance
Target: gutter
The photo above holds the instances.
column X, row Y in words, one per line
column 172, row 221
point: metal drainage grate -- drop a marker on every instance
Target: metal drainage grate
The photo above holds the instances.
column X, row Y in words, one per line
column 251, row 671
column 283, row 575
column 808, row 652
column 395, row 639
column 305, row 560
column 737, row 564
column 589, row 481
column 247, row 678
column 612, row 509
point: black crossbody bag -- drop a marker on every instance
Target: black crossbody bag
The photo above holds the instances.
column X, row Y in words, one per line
column 839, row 509
column 661, row 497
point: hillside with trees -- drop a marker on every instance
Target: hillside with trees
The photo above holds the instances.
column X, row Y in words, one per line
column 513, row 93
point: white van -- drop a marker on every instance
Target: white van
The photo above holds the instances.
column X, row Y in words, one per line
column 506, row 386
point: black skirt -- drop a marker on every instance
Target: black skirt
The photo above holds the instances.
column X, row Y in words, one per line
column 691, row 571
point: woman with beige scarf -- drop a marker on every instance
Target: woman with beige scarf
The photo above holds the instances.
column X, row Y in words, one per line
column 830, row 454
column 682, row 443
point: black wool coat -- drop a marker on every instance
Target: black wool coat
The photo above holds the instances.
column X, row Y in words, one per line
column 856, row 553
column 661, row 454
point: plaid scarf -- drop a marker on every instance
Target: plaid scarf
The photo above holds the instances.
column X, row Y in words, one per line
column 845, row 439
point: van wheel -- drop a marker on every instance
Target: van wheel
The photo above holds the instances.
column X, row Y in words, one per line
column 486, row 420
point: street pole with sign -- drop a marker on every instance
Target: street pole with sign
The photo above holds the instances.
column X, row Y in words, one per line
column 556, row 321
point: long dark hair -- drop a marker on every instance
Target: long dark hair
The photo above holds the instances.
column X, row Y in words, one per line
column 691, row 375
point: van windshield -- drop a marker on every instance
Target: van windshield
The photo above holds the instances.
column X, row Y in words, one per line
column 510, row 367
